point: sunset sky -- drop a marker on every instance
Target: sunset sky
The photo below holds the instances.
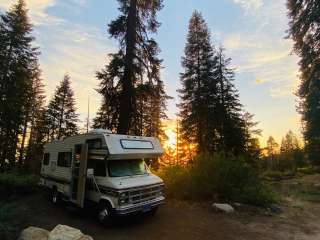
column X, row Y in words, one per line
column 72, row 36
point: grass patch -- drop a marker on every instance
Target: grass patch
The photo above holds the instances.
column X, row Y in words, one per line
column 7, row 213
column 305, row 192
column 309, row 170
column 217, row 177
column 271, row 175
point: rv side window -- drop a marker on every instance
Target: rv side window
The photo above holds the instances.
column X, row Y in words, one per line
column 64, row 159
column 99, row 167
column 46, row 158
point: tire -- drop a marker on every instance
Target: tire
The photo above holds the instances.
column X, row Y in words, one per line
column 105, row 213
column 55, row 196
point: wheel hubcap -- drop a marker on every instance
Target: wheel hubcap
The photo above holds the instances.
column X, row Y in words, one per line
column 54, row 197
column 103, row 214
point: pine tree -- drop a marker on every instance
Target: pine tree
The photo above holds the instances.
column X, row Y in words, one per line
column 198, row 93
column 272, row 146
column 38, row 137
column 18, row 64
column 231, row 126
column 35, row 103
column 289, row 143
column 61, row 114
column 304, row 29
column 130, row 83
column 251, row 134
column 108, row 114
column 291, row 153
column 272, row 150
column 38, row 127
column 210, row 110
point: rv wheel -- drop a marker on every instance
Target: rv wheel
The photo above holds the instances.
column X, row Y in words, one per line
column 55, row 196
column 104, row 213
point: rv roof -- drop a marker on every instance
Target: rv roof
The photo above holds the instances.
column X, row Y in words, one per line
column 129, row 147
column 119, row 146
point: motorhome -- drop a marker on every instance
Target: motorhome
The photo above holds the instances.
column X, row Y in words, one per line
column 107, row 169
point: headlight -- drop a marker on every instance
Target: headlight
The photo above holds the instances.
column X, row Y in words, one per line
column 123, row 201
column 123, row 198
column 124, row 195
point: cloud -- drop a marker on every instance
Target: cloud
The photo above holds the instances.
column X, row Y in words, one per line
column 79, row 51
column 66, row 47
column 38, row 11
column 249, row 5
column 259, row 81
column 260, row 51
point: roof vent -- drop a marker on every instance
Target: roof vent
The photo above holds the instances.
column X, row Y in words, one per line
column 100, row 131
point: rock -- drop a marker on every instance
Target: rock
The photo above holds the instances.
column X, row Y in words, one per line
column 237, row 205
column 34, row 233
column 275, row 208
column 85, row 237
column 63, row 232
column 223, row 207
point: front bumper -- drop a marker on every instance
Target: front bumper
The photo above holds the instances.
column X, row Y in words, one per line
column 139, row 207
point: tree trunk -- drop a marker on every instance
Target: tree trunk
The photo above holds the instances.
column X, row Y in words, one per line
column 24, row 133
column 127, row 94
column 61, row 117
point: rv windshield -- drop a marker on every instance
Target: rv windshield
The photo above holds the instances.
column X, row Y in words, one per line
column 123, row 168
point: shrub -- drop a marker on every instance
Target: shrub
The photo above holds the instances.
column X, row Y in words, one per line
column 219, row 176
column 14, row 183
column 7, row 213
column 272, row 175
column 308, row 170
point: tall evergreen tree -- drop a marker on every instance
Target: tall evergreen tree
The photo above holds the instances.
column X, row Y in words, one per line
column 272, row 151
column 61, row 114
column 251, row 134
column 231, row 125
column 35, row 103
column 18, row 64
column 304, row 29
column 210, row 110
column 272, row 146
column 38, row 128
column 289, row 143
column 290, row 152
column 130, row 84
column 199, row 87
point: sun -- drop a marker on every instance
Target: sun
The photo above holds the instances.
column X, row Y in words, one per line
column 170, row 131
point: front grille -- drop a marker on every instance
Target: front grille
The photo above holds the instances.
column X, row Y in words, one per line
column 145, row 193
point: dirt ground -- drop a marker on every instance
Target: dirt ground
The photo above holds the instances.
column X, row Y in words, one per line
column 299, row 220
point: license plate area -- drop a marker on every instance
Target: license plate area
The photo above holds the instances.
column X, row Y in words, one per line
column 146, row 208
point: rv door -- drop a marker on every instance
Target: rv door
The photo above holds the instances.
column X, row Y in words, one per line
column 82, row 176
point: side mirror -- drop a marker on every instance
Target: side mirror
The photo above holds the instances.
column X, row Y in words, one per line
column 90, row 173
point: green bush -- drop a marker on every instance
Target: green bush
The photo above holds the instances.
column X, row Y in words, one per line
column 308, row 170
column 14, row 183
column 217, row 176
column 272, row 175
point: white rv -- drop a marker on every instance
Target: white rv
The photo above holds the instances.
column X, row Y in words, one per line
column 104, row 168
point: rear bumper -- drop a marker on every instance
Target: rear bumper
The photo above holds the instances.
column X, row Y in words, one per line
column 139, row 207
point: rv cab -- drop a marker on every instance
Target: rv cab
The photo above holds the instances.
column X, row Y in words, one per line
column 105, row 169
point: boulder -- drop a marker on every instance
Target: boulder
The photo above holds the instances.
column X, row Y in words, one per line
column 63, row 232
column 85, row 237
column 34, row 233
column 223, row 207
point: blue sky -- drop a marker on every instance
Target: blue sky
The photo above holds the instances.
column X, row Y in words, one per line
column 72, row 36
